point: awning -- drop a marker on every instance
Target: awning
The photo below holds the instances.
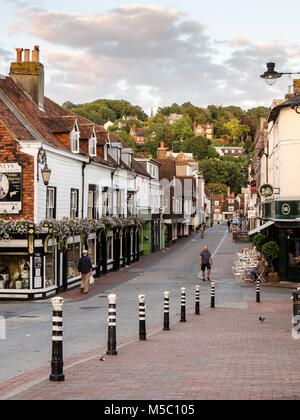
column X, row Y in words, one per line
column 259, row 228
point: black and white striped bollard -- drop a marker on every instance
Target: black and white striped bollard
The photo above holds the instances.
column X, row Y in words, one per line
column 57, row 363
column 197, row 300
column 166, row 311
column 142, row 318
column 183, row 318
column 258, row 291
column 112, row 340
column 213, row 292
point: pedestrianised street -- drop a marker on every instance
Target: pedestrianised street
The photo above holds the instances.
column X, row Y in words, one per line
column 225, row 353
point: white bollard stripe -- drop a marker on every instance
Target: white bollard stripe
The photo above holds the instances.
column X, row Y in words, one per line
column 57, row 338
column 57, row 328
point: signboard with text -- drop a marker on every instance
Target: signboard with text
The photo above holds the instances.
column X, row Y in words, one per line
column 10, row 188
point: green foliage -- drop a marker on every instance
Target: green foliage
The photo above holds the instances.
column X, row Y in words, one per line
column 226, row 172
column 259, row 241
column 199, row 146
column 217, row 188
column 102, row 110
column 236, row 129
column 270, row 250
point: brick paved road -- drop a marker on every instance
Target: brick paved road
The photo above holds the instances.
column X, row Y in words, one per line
column 224, row 353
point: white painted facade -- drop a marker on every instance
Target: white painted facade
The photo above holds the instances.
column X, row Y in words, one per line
column 284, row 152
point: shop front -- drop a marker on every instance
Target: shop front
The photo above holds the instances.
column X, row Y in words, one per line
column 28, row 264
column 283, row 220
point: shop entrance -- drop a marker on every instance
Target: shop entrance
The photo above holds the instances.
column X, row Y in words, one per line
column 294, row 259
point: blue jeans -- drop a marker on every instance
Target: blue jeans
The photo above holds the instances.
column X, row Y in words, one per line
column 254, row 274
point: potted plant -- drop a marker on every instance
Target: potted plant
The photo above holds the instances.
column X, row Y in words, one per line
column 258, row 241
column 270, row 251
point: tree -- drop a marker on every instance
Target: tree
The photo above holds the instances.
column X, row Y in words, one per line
column 182, row 128
column 197, row 145
column 217, row 188
column 236, row 129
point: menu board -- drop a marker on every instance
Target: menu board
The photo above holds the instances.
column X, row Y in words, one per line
column 10, row 188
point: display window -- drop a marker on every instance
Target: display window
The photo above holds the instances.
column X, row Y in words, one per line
column 73, row 258
column 110, row 250
column 50, row 267
column 14, row 272
column 92, row 250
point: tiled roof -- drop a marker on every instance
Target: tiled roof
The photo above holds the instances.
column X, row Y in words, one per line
column 59, row 124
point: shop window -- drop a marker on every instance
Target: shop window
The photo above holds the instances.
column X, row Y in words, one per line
column 121, row 245
column 50, row 268
column 92, row 250
column 51, row 203
column 14, row 272
column 294, row 253
column 73, row 258
column 74, row 203
column 110, row 250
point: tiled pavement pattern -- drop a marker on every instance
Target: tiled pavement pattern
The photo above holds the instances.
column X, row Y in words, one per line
column 224, row 353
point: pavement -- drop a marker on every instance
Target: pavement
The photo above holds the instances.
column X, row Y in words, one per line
column 226, row 353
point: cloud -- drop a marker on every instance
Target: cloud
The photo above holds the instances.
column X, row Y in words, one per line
column 149, row 55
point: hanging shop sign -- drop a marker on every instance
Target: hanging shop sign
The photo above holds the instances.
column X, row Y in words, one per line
column 10, row 188
column 266, row 191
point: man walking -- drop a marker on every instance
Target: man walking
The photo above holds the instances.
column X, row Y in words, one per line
column 205, row 261
column 85, row 269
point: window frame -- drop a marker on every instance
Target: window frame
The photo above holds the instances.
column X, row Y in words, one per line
column 74, row 190
column 48, row 215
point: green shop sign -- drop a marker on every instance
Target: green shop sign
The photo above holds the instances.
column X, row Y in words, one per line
column 285, row 210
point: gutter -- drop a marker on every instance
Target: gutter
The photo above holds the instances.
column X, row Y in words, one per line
column 84, row 165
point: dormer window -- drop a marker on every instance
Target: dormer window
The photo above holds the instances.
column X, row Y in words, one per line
column 93, row 145
column 74, row 139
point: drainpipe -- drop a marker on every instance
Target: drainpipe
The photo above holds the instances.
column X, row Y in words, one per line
column 84, row 165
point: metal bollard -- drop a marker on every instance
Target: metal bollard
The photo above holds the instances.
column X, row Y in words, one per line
column 166, row 311
column 258, row 291
column 142, row 317
column 213, row 292
column 57, row 363
column 197, row 300
column 112, row 341
column 183, row 318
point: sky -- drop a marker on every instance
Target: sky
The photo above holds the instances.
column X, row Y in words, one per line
column 156, row 53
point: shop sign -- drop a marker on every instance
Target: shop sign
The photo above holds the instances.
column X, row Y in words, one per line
column 285, row 209
column 10, row 188
column 266, row 191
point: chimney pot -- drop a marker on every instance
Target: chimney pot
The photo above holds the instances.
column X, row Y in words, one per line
column 36, row 54
column 19, row 55
column 296, row 86
column 27, row 54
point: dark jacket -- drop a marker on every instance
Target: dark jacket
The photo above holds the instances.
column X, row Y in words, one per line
column 85, row 264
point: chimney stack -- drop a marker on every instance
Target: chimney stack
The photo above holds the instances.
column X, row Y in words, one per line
column 29, row 75
column 162, row 151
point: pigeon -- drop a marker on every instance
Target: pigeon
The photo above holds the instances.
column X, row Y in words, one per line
column 261, row 319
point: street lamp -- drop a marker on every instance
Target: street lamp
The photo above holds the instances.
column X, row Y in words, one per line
column 271, row 75
column 46, row 173
column 42, row 160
